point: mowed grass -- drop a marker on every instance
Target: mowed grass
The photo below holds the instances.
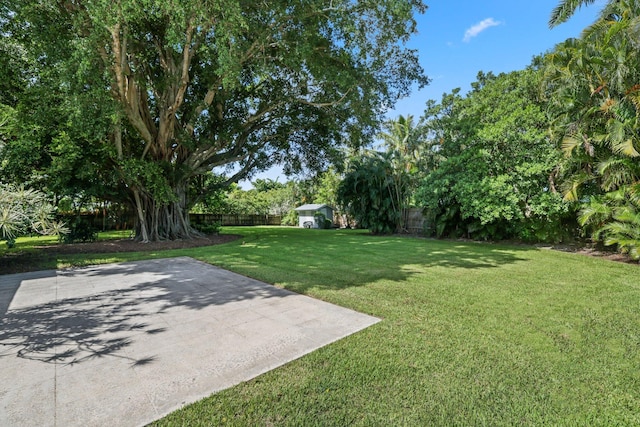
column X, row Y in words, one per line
column 471, row 334
column 30, row 246
column 32, row 242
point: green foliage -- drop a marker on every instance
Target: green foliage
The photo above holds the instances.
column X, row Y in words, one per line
column 326, row 191
column 238, row 84
column 268, row 197
column 264, row 185
column 213, row 228
column 319, row 218
column 80, row 231
column 409, row 155
column 494, row 167
column 565, row 9
column 290, row 218
column 378, row 186
column 595, row 108
column 24, row 211
column 367, row 193
column 7, row 125
column 614, row 219
column 208, row 193
column 275, row 201
column 322, row 221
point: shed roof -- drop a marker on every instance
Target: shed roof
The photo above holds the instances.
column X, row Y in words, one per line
column 312, row 207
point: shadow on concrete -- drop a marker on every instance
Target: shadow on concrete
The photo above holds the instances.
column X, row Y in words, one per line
column 99, row 324
column 77, row 329
column 9, row 286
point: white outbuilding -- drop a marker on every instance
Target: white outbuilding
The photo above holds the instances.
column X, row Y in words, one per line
column 307, row 215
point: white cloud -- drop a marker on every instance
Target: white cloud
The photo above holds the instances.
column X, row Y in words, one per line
column 479, row 27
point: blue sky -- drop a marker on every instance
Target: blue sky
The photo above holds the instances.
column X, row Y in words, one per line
column 458, row 38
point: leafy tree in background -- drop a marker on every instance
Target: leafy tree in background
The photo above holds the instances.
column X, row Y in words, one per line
column 268, row 197
column 180, row 88
column 7, row 125
column 267, row 184
column 327, row 189
column 595, row 96
column 208, row 194
column 327, row 193
column 496, row 173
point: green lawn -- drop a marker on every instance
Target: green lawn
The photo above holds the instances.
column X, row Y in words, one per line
column 28, row 243
column 472, row 334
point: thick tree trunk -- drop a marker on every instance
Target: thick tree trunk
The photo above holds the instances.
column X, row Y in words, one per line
column 162, row 221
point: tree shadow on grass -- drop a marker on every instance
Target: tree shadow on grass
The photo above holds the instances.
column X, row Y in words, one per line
column 338, row 259
column 108, row 308
column 101, row 311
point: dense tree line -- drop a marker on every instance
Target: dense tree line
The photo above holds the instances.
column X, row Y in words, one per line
column 542, row 154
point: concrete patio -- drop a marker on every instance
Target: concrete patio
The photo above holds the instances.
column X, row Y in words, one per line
column 125, row 344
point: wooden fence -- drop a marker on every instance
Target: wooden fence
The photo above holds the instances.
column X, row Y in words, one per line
column 127, row 220
column 229, row 220
column 414, row 220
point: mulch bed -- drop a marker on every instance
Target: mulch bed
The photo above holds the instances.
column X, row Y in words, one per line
column 24, row 261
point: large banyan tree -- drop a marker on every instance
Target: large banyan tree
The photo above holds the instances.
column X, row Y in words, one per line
column 200, row 84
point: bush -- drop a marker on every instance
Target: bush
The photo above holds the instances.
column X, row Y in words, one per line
column 80, row 231
column 213, row 228
column 291, row 218
column 319, row 218
column 366, row 193
column 322, row 221
column 24, row 211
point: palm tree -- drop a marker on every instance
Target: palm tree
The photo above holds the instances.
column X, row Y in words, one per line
column 566, row 8
column 615, row 219
column 593, row 82
column 404, row 155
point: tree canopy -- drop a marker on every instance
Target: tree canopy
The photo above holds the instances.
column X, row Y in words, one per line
column 495, row 174
column 595, row 111
column 168, row 90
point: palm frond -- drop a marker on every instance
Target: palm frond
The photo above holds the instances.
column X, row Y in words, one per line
column 625, row 147
column 594, row 213
column 570, row 143
column 615, row 172
column 565, row 9
column 11, row 222
column 628, row 215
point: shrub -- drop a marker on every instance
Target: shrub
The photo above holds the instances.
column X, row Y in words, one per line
column 24, row 211
column 291, row 218
column 80, row 231
column 367, row 194
column 213, row 228
column 319, row 218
